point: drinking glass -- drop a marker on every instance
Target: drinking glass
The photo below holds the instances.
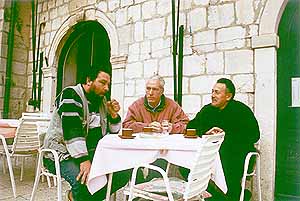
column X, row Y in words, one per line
column 165, row 127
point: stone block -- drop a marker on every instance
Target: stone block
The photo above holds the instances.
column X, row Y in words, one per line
column 150, row 67
column 53, row 13
column 193, row 65
column 148, row 10
column 139, row 1
column 59, row 3
column 145, row 50
column 102, row 6
column 134, row 13
column 2, row 89
column 161, row 47
column 125, row 3
column 232, row 37
column 113, row 5
column 163, row 7
column 74, row 5
column 2, row 64
column 233, row 44
column 230, row 34
column 134, row 70
column 91, row 2
column 125, row 34
column 56, row 23
column 19, row 68
column 19, row 80
column 203, row 84
column 155, row 28
column 121, row 17
column 239, row 61
column 117, row 76
column 201, row 2
column 197, row 19
column 245, row 12
column 253, row 30
column 220, row 16
column 165, row 67
column 204, row 41
column 140, row 87
column 130, row 88
column 47, row 38
column 90, row 14
column 20, row 55
column 169, row 87
column 244, row 83
column 191, row 103
column 215, row 63
column 134, row 52
column 51, row 4
column 138, row 31
column 17, row 93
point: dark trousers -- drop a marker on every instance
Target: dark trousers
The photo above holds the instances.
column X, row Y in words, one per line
column 70, row 169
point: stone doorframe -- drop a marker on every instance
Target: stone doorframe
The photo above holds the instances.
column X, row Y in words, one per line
column 265, row 61
column 118, row 61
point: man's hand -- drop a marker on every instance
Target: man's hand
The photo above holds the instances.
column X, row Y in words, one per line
column 85, row 168
column 113, row 107
column 214, row 130
column 156, row 126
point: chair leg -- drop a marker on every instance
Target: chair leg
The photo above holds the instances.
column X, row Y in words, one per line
column 10, row 169
column 37, row 177
column 11, row 173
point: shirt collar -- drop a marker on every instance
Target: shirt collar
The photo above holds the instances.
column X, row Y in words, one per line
column 158, row 108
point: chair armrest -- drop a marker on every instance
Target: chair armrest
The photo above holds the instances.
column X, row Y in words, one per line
column 56, row 159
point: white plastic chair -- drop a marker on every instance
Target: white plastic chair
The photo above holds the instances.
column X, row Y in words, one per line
column 8, row 159
column 40, row 171
column 254, row 173
column 198, row 178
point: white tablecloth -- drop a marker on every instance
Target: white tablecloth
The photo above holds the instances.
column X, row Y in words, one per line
column 115, row 154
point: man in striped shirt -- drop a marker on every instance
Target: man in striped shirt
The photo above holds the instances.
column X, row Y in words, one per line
column 81, row 118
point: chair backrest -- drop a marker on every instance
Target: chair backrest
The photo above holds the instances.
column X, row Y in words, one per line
column 27, row 139
column 201, row 171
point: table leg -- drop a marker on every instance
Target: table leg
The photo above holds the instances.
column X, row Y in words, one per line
column 108, row 189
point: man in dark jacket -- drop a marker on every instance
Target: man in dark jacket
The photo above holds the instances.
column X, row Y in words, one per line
column 241, row 132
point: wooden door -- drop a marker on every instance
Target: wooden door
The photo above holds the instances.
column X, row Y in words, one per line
column 287, row 181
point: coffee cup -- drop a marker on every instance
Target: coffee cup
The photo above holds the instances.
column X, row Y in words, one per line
column 147, row 129
column 190, row 132
column 127, row 132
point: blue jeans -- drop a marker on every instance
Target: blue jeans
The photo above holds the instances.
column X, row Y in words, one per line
column 69, row 170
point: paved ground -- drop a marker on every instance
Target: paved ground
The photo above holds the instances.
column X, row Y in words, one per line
column 24, row 187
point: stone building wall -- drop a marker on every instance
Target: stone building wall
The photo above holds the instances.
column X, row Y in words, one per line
column 19, row 79
column 218, row 42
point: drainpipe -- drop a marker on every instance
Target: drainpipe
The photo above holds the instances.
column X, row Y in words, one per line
column 10, row 42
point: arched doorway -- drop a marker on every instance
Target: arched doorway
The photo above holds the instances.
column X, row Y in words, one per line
column 87, row 45
column 287, row 180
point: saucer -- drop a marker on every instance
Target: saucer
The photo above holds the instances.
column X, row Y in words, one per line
column 192, row 136
column 126, row 137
